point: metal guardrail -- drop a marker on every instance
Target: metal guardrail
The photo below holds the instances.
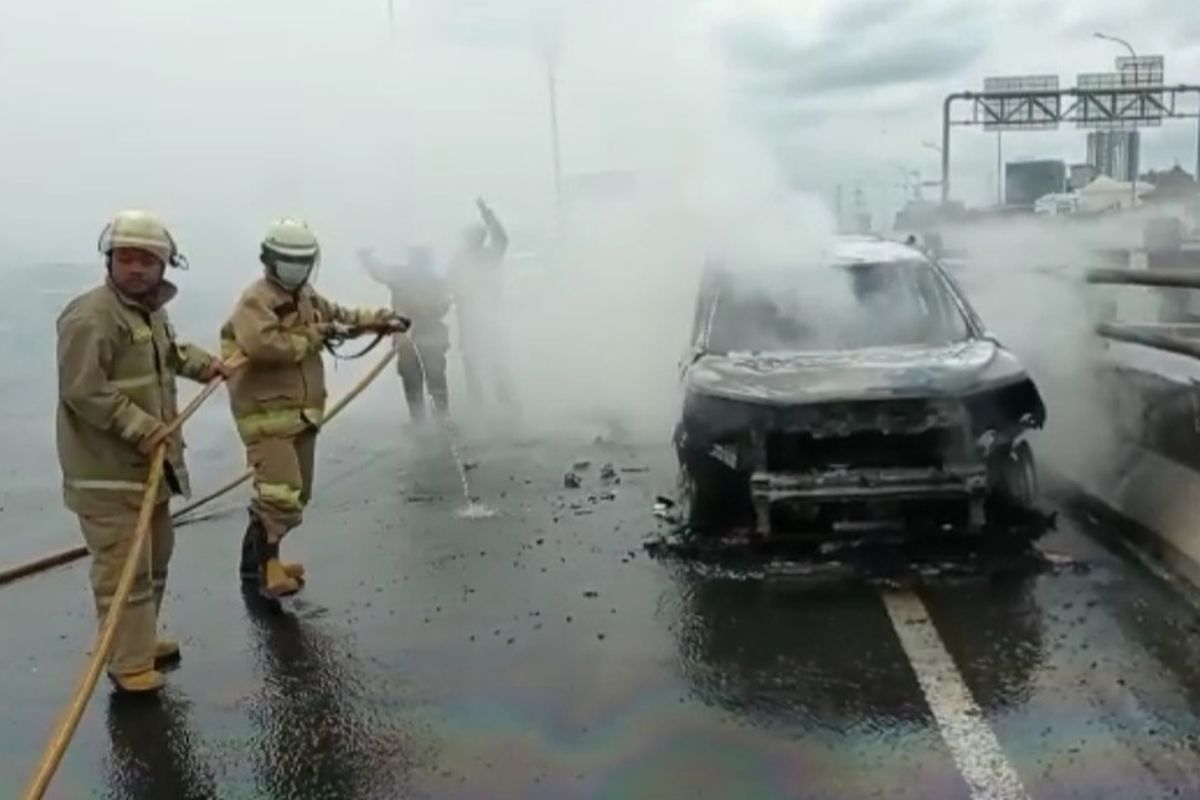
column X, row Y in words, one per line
column 1167, row 338
column 1179, row 338
column 1163, row 278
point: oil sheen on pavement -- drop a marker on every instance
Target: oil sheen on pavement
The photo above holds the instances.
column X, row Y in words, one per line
column 540, row 653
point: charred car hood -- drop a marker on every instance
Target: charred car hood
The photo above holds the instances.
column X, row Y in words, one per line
column 872, row 374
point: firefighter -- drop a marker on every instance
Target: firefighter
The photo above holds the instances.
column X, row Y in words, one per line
column 422, row 296
column 475, row 276
column 117, row 362
column 278, row 399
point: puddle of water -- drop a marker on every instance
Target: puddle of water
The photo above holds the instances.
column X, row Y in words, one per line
column 476, row 510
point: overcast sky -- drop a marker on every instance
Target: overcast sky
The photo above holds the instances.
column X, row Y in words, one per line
column 223, row 113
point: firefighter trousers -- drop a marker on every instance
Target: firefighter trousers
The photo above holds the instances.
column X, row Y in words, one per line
column 283, row 480
column 109, row 537
column 423, row 364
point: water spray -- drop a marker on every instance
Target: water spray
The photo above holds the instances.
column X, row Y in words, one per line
column 473, row 508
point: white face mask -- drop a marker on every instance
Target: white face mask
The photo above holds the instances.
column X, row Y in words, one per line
column 292, row 274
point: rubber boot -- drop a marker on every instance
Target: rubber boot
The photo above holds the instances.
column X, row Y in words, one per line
column 166, row 652
column 145, row 682
column 249, row 569
column 274, row 581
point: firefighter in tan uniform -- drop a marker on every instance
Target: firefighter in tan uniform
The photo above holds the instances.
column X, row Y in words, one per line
column 117, row 362
column 278, row 399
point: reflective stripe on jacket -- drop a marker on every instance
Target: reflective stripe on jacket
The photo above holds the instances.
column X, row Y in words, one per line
column 281, row 390
column 117, row 362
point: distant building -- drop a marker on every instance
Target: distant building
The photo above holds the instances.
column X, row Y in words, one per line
column 1081, row 175
column 1026, row 181
column 1116, row 154
column 1172, row 184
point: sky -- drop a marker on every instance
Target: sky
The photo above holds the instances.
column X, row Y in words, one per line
column 220, row 114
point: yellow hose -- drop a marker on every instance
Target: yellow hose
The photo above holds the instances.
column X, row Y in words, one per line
column 66, row 556
column 57, row 745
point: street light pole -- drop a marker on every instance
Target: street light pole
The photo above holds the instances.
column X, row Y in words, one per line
column 1128, row 149
column 999, row 169
column 1119, row 41
column 556, row 153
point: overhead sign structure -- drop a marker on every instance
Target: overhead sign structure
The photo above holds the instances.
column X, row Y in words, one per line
column 1135, row 95
column 1109, row 105
column 1141, row 71
column 1006, row 104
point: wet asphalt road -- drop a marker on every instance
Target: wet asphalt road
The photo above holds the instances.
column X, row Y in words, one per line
column 541, row 654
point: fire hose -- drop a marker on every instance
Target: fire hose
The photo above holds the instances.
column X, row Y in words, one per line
column 67, row 555
column 60, row 739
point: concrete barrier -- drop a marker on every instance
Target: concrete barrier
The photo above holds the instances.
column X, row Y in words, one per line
column 1152, row 476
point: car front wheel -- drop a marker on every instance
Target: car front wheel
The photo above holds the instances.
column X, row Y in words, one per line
column 1015, row 476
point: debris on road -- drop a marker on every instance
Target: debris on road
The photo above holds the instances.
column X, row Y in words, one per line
column 664, row 508
column 572, row 481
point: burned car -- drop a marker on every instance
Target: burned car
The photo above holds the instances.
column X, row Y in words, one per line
column 857, row 394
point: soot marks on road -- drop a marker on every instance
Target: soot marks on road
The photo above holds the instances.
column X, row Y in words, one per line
column 894, row 558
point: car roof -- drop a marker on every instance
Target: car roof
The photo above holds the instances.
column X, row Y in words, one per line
column 842, row 251
column 873, row 250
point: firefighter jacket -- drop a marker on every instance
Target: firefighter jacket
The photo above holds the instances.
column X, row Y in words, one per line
column 419, row 294
column 424, row 299
column 280, row 391
column 117, row 362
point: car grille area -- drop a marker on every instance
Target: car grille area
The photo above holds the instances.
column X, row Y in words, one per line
column 804, row 450
column 875, row 434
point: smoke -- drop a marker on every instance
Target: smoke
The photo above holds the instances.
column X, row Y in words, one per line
column 1027, row 280
column 599, row 314
column 385, row 137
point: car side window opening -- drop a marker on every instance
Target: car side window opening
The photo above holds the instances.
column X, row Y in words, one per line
column 892, row 304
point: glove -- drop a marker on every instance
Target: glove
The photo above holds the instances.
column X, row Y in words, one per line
column 400, row 323
column 216, row 368
column 389, row 320
column 322, row 332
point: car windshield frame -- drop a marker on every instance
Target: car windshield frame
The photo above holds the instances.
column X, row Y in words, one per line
column 951, row 305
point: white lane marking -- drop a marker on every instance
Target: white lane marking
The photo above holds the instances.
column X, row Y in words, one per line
column 972, row 743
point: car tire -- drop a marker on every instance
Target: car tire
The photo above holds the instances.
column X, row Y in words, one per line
column 1017, row 479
